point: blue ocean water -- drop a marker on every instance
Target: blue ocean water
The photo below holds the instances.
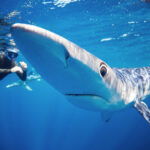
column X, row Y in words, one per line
column 117, row 32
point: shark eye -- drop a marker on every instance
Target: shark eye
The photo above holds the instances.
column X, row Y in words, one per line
column 103, row 71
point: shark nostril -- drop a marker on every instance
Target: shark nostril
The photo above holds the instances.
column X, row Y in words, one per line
column 103, row 71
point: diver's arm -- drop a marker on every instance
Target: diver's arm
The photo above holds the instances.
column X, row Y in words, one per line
column 22, row 72
column 22, row 75
column 5, row 71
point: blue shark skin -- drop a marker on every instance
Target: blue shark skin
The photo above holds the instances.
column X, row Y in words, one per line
column 85, row 80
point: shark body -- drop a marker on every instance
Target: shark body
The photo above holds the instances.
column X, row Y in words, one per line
column 85, row 80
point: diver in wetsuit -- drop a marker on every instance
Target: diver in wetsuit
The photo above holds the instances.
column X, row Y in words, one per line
column 8, row 64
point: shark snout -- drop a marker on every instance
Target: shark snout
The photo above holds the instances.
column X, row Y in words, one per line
column 40, row 44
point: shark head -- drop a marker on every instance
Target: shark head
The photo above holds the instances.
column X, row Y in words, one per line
column 85, row 80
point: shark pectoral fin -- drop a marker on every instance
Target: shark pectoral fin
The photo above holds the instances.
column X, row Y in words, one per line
column 106, row 116
column 143, row 109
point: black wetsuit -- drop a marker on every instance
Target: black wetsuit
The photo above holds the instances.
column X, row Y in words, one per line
column 6, row 65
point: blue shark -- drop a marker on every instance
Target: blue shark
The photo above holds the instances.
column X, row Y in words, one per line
column 85, row 80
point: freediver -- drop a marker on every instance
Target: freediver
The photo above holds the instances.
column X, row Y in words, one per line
column 8, row 64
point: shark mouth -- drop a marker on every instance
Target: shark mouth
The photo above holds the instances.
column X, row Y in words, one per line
column 91, row 102
column 85, row 95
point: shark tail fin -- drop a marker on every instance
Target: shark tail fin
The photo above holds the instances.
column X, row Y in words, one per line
column 143, row 109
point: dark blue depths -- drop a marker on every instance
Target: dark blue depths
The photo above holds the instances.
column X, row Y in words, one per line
column 118, row 33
